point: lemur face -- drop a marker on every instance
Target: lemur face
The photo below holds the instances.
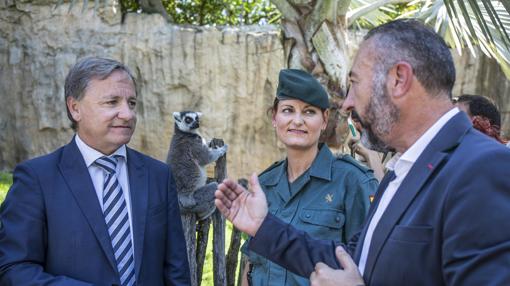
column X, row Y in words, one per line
column 187, row 121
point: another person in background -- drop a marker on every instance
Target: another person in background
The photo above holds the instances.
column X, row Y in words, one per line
column 94, row 212
column 483, row 113
column 323, row 195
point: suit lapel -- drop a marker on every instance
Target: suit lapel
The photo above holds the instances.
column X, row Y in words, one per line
column 139, row 190
column 75, row 173
column 388, row 177
column 425, row 166
column 409, row 188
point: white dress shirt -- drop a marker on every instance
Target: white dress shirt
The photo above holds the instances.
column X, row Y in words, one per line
column 98, row 175
column 400, row 164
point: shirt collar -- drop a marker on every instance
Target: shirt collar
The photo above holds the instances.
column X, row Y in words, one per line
column 400, row 161
column 90, row 155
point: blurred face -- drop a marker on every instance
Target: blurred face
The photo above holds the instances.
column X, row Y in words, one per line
column 106, row 115
column 299, row 124
column 368, row 96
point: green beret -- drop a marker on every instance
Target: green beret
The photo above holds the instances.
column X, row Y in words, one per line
column 298, row 84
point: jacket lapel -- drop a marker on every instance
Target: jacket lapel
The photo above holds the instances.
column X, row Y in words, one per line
column 427, row 164
column 388, row 177
column 75, row 173
column 139, row 190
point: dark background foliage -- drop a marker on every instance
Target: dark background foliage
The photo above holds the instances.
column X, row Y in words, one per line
column 215, row 12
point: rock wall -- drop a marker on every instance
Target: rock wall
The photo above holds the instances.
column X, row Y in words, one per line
column 229, row 74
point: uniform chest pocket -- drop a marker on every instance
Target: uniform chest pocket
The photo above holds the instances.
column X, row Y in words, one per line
column 323, row 218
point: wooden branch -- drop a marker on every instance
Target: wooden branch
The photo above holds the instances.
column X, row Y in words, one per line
column 288, row 11
column 242, row 264
column 202, row 241
column 233, row 251
column 189, row 222
column 219, row 267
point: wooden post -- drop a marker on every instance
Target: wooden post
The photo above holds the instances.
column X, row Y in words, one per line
column 189, row 223
column 242, row 264
column 219, row 267
column 202, row 240
column 233, row 251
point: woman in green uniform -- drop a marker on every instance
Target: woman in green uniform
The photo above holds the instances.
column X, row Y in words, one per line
column 325, row 195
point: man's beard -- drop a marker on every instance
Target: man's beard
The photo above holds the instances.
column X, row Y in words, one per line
column 380, row 116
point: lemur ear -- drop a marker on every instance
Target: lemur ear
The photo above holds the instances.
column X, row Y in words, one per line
column 177, row 116
column 199, row 114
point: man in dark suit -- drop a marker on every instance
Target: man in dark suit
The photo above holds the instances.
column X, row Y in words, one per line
column 440, row 216
column 94, row 212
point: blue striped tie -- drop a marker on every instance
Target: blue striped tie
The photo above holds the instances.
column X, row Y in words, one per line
column 117, row 221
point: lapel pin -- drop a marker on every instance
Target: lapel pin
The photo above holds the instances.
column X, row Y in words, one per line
column 329, row 198
column 430, row 166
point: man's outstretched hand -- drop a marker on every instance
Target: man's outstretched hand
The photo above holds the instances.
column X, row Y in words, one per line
column 246, row 210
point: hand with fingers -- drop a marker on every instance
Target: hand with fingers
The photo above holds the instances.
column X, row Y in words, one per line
column 348, row 276
column 358, row 148
column 245, row 209
column 369, row 157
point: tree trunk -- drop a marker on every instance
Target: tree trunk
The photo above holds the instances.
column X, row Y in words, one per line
column 315, row 40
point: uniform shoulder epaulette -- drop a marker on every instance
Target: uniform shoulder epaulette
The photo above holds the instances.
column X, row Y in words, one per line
column 274, row 165
column 349, row 159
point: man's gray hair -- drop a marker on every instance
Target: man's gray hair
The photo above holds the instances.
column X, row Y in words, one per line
column 410, row 41
column 85, row 70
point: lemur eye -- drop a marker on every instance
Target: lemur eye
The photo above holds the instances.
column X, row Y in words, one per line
column 188, row 120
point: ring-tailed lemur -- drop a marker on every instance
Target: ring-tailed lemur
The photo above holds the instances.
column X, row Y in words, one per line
column 188, row 155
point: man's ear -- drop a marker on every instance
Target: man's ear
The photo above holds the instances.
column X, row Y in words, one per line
column 72, row 105
column 400, row 77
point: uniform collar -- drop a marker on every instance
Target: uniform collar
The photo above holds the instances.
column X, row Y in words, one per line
column 321, row 166
column 272, row 177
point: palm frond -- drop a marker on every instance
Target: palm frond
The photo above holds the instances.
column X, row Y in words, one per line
column 368, row 14
column 469, row 24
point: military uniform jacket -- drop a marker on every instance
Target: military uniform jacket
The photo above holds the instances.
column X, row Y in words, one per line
column 329, row 201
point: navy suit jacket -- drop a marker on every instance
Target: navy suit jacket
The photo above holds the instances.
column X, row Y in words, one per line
column 448, row 223
column 53, row 231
